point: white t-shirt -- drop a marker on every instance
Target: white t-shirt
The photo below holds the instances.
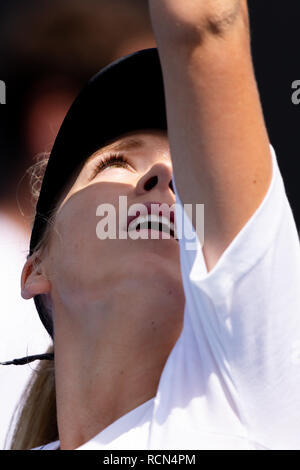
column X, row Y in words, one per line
column 232, row 380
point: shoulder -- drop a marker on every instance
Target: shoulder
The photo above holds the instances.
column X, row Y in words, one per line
column 266, row 244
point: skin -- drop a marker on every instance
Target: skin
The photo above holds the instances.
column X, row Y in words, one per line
column 220, row 158
column 117, row 304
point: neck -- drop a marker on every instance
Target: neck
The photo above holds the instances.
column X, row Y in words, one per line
column 116, row 370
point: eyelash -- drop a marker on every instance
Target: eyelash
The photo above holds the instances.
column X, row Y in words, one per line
column 110, row 160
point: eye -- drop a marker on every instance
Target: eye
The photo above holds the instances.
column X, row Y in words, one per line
column 109, row 160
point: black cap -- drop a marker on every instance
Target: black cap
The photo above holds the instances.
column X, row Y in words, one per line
column 126, row 95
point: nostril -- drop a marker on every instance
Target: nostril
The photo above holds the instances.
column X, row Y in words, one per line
column 171, row 186
column 151, row 183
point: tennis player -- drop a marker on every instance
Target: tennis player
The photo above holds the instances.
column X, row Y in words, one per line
column 156, row 345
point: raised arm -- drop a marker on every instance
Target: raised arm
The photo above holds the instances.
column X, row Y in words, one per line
column 218, row 139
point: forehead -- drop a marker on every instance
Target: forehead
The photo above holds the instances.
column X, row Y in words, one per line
column 136, row 140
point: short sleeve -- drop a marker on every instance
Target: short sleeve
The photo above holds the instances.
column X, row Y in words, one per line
column 248, row 308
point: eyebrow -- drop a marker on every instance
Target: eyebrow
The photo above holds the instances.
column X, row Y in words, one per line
column 131, row 143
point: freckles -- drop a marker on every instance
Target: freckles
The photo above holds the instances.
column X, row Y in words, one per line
column 77, row 248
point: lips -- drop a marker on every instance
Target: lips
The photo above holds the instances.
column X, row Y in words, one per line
column 160, row 215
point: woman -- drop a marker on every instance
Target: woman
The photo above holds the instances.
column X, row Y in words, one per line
column 157, row 345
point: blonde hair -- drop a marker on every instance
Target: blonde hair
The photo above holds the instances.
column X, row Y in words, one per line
column 35, row 414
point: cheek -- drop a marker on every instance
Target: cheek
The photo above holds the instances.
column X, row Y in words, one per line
column 73, row 243
column 78, row 256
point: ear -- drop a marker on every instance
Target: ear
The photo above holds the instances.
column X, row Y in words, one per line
column 33, row 280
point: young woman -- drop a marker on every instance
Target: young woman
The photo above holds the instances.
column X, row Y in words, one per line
column 157, row 345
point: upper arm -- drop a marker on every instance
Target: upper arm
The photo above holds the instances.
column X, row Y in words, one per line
column 218, row 139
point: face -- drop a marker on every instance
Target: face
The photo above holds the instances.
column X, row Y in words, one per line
column 86, row 270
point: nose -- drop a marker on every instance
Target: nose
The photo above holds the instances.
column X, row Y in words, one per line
column 159, row 176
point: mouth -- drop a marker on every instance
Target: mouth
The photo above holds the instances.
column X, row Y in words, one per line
column 154, row 218
column 152, row 222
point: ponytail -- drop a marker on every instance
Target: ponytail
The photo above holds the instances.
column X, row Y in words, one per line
column 36, row 412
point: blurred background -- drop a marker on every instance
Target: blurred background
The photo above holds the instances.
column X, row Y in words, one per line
column 48, row 50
